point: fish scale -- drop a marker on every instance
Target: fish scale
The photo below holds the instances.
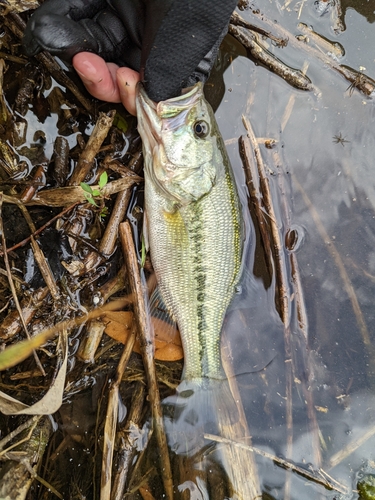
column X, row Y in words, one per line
column 195, row 235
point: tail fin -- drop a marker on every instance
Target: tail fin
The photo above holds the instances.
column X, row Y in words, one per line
column 199, row 406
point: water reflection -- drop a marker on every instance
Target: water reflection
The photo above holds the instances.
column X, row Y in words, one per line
column 363, row 7
column 324, row 194
column 329, row 192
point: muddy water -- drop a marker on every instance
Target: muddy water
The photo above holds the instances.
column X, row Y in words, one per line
column 326, row 178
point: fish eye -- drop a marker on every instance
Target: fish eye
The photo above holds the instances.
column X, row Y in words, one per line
column 201, row 129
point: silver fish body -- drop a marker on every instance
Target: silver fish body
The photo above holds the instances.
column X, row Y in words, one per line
column 194, row 224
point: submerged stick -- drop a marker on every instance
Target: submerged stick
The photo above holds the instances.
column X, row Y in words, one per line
column 17, row 25
column 129, row 436
column 249, row 40
column 277, row 245
column 239, row 464
column 237, row 20
column 358, row 80
column 24, row 459
column 146, row 340
column 93, row 145
column 248, row 161
column 111, row 420
column 12, row 287
column 12, row 323
column 282, row 463
column 283, row 299
column 350, row 448
column 303, row 324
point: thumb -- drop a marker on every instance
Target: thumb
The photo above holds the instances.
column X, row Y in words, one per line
column 127, row 80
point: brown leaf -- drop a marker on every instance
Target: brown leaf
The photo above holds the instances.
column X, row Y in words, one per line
column 167, row 338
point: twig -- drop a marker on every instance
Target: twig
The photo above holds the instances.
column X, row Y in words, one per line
column 32, row 423
column 19, row 476
column 127, row 442
column 15, row 59
column 314, row 476
column 93, row 145
column 12, row 287
column 17, row 25
column 40, row 259
column 249, row 40
column 283, row 298
column 237, row 20
column 108, row 242
column 111, row 420
column 91, row 341
column 281, row 275
column 337, row 17
column 110, row 236
column 248, row 161
column 40, row 230
column 95, row 328
column 358, row 80
column 5, row 116
column 33, row 184
column 12, row 324
column 59, row 197
column 61, row 160
column 146, row 341
column 334, row 49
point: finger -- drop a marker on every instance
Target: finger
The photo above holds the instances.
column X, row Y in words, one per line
column 127, row 80
column 98, row 76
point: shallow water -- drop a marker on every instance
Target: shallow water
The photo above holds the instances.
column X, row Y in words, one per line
column 325, row 141
column 329, row 190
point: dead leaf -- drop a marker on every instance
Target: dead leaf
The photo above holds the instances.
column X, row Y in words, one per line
column 167, row 338
column 22, row 5
column 52, row 400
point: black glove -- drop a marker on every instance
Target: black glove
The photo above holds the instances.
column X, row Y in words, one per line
column 173, row 43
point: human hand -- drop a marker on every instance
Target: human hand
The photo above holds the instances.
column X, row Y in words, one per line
column 171, row 45
column 107, row 81
column 78, row 30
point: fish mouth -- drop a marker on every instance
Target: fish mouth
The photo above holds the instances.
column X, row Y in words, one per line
column 155, row 122
column 149, row 123
column 164, row 115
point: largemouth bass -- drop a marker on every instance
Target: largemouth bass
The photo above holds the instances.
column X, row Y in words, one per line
column 195, row 234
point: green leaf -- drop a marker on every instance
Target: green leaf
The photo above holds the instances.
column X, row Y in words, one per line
column 96, row 192
column 13, row 355
column 86, row 187
column 143, row 252
column 103, row 212
column 120, row 122
column 103, row 180
column 90, row 199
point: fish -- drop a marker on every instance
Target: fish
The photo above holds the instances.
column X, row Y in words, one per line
column 195, row 234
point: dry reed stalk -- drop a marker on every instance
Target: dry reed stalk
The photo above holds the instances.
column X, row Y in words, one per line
column 111, row 420
column 139, row 291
